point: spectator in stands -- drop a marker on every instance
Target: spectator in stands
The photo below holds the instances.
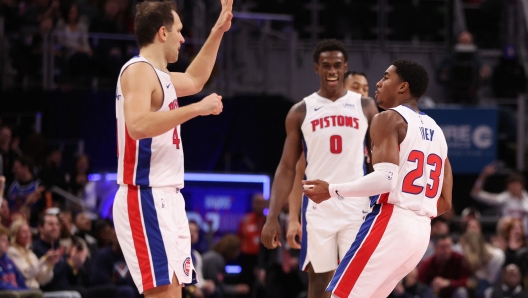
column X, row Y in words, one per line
column 204, row 287
column 513, row 201
column 515, row 240
column 109, row 54
column 81, row 186
column 446, row 271
column 411, row 287
column 462, row 71
column 66, row 272
column 66, row 228
column 51, row 173
column 509, row 77
column 484, row 261
column 76, row 48
column 36, row 272
column 214, row 262
column 109, row 267
column 7, row 152
column 83, row 229
column 511, row 285
column 249, row 232
column 12, row 283
column 103, row 230
column 5, row 214
column 24, row 194
column 41, row 10
column 439, row 226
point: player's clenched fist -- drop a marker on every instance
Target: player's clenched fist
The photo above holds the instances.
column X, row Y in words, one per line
column 211, row 104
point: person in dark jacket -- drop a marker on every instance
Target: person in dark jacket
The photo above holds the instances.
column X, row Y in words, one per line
column 410, row 287
column 511, row 284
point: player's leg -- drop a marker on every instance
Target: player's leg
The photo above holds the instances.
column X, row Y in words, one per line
column 380, row 254
column 172, row 290
column 317, row 283
column 318, row 247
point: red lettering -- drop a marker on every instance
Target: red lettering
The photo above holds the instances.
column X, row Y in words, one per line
column 348, row 122
column 314, row 124
column 340, row 120
column 333, row 120
column 356, row 123
column 321, row 122
column 327, row 121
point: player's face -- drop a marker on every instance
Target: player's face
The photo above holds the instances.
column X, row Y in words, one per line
column 174, row 39
column 331, row 69
column 358, row 84
column 387, row 88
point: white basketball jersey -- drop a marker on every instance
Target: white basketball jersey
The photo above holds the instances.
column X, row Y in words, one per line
column 423, row 153
column 154, row 162
column 334, row 138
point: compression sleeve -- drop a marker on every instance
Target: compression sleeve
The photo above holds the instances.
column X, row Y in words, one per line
column 382, row 180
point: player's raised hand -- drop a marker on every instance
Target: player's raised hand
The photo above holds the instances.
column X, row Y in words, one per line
column 316, row 190
column 490, row 169
column 211, row 104
column 294, row 229
column 226, row 15
column 271, row 233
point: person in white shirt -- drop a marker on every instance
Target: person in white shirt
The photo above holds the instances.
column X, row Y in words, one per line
column 513, row 201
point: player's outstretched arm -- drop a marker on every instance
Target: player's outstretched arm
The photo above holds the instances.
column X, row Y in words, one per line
column 295, row 201
column 284, row 175
column 387, row 131
column 446, row 197
column 199, row 71
column 138, row 83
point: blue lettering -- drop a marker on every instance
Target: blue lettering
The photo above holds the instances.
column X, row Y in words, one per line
column 432, row 133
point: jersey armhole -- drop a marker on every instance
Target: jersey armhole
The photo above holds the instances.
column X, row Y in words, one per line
column 153, row 68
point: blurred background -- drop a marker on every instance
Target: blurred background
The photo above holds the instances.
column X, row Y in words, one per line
column 59, row 62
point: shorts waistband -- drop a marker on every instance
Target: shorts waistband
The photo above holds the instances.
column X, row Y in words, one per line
column 165, row 189
column 412, row 214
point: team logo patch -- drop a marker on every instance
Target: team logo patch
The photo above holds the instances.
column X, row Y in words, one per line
column 187, row 266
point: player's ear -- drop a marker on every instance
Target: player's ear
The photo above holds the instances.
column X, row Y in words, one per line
column 346, row 66
column 316, row 68
column 403, row 87
column 162, row 33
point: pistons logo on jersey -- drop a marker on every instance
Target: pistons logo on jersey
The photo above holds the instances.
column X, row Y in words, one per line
column 175, row 136
column 187, row 266
column 174, row 105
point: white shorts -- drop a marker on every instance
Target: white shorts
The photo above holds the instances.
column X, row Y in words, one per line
column 389, row 245
column 152, row 229
column 329, row 228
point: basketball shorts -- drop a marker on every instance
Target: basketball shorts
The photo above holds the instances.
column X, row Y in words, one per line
column 153, row 231
column 329, row 228
column 390, row 243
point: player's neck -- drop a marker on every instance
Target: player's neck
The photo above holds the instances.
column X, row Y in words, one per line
column 332, row 95
column 411, row 103
column 154, row 56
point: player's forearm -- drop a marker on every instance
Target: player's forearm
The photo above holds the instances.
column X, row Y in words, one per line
column 384, row 179
column 295, row 198
column 443, row 205
column 152, row 124
column 201, row 67
column 281, row 188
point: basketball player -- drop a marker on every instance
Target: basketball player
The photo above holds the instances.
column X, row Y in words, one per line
column 357, row 82
column 413, row 178
column 149, row 211
column 331, row 125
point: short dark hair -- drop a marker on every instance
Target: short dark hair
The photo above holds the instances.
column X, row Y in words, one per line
column 329, row 45
column 414, row 74
column 515, row 177
column 353, row 73
column 441, row 237
column 42, row 218
column 150, row 17
column 25, row 162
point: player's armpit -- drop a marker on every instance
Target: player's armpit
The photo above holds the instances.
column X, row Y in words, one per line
column 446, row 197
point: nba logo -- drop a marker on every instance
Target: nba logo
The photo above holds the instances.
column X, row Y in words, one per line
column 389, row 177
column 187, row 266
